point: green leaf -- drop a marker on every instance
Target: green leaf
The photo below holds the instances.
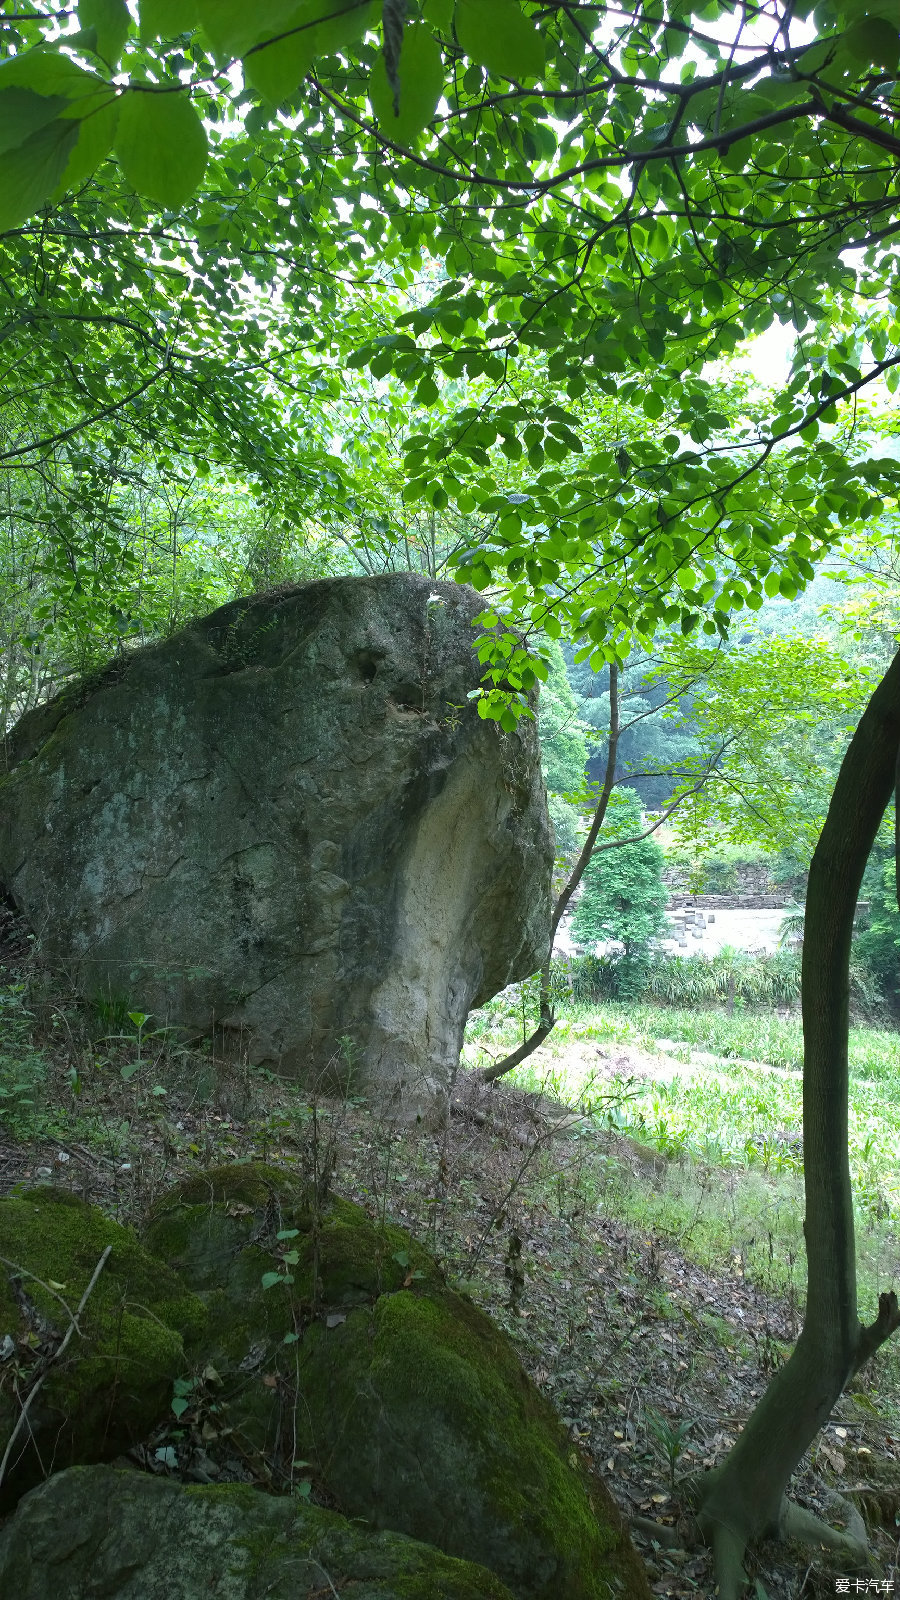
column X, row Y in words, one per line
column 342, row 21
column 22, row 113
column 269, row 1279
column 497, row 35
column 277, row 70
column 180, row 1406
column 438, row 14
column 96, row 132
column 47, row 72
column 873, row 41
column 421, row 70
column 161, row 145
column 29, row 174
column 234, row 26
column 111, row 21
column 165, row 19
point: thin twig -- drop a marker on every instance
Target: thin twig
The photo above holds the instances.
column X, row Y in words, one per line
column 72, row 1328
column 24, row 1273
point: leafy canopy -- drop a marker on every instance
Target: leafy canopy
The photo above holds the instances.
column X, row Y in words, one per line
column 539, row 226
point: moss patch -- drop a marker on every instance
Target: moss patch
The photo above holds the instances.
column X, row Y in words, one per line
column 413, row 1406
column 115, row 1378
column 422, row 1419
column 219, row 1230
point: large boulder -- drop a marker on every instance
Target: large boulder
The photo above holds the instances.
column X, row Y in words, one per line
column 88, row 1400
column 335, row 1341
column 287, row 825
column 114, row 1534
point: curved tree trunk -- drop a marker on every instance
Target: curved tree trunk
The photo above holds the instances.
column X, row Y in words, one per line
column 743, row 1499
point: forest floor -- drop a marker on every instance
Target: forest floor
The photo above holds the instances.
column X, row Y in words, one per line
column 652, row 1352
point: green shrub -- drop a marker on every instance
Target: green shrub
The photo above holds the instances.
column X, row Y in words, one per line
column 769, row 979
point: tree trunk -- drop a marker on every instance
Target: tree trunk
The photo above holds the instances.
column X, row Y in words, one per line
column 743, row 1499
column 547, row 1016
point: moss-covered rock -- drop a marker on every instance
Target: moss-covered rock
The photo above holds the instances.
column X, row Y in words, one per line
column 114, row 1380
column 421, row 1418
column 412, row 1406
column 220, row 1230
column 120, row 1535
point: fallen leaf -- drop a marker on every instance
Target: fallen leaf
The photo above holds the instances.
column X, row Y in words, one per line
column 335, row 1318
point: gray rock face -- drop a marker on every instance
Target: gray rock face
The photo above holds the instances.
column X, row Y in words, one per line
column 287, row 825
column 114, row 1534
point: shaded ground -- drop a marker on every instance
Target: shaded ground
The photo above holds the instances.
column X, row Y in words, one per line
column 652, row 1361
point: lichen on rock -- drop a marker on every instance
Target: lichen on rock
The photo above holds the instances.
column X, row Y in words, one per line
column 122, row 1535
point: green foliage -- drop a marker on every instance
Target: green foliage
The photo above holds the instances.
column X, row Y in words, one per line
column 720, row 868
column 22, row 1092
column 669, row 1438
column 772, row 719
column 623, row 898
column 771, row 979
column 23, row 1068
column 563, row 744
column 496, row 328
column 566, row 827
column 766, row 980
column 734, row 1110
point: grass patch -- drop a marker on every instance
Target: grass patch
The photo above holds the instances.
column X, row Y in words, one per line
column 731, row 1130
